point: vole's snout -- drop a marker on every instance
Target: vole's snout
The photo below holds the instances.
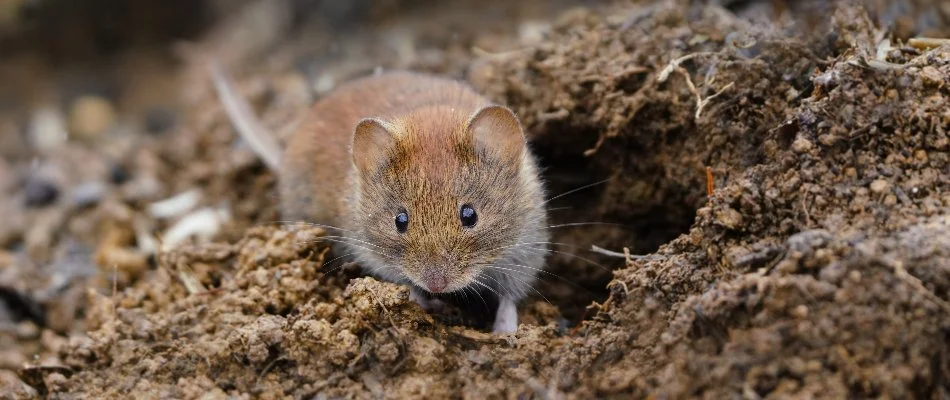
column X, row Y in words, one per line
column 436, row 284
column 435, row 278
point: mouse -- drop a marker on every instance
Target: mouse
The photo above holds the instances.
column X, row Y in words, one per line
column 429, row 183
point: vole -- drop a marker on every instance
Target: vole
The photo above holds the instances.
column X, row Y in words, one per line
column 431, row 184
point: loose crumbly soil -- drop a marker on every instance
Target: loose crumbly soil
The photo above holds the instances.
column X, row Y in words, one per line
column 818, row 267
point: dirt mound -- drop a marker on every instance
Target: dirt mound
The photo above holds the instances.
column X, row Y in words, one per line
column 818, row 266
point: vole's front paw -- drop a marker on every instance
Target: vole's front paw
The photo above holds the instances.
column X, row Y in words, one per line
column 506, row 319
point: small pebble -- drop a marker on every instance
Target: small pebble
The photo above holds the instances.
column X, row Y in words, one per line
column 40, row 193
column 88, row 193
column 143, row 187
column 27, row 330
column 801, row 145
column 879, row 185
column 855, row 276
column 90, row 117
column 800, row 312
column 533, row 31
column 47, row 129
column 202, row 224
column 159, row 120
column 827, row 140
column 118, row 174
column 176, row 205
column 932, row 76
column 325, row 82
column 729, row 218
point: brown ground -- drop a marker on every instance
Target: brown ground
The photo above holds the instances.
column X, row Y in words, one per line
column 819, row 266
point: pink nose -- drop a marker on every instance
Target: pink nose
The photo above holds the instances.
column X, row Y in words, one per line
column 436, row 283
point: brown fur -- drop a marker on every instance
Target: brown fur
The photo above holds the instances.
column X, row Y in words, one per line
column 315, row 165
column 406, row 142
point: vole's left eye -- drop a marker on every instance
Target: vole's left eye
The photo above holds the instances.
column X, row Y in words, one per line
column 402, row 222
column 468, row 216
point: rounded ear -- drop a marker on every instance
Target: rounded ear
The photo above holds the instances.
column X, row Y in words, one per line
column 496, row 130
column 373, row 141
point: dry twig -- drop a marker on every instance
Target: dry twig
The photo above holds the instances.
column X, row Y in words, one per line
column 610, row 253
column 674, row 65
column 926, row 43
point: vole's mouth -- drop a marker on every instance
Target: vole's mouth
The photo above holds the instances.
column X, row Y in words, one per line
column 443, row 279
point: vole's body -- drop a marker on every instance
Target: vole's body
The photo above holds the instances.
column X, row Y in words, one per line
column 410, row 144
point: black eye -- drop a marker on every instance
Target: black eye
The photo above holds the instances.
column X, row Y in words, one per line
column 468, row 216
column 402, row 222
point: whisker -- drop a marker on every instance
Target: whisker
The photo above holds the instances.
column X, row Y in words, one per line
column 594, row 223
column 572, row 255
column 480, row 295
column 522, row 266
column 532, row 288
column 500, row 286
column 528, row 285
column 340, row 241
column 576, row 190
column 354, row 246
column 533, row 243
column 305, row 223
column 350, row 238
column 526, row 244
column 560, row 278
column 357, row 246
column 530, row 243
column 339, row 258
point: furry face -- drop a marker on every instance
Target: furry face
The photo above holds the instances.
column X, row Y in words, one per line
column 450, row 195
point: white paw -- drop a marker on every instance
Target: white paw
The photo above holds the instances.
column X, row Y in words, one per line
column 506, row 318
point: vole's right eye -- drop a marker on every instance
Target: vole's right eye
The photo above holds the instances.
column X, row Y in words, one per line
column 402, row 222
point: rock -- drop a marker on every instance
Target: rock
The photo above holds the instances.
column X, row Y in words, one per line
column 801, row 145
column 175, row 205
column 47, row 129
column 88, row 193
column 40, row 193
column 530, row 32
column 118, row 174
column 90, row 117
column 880, row 185
column 159, row 120
column 729, row 218
column 202, row 224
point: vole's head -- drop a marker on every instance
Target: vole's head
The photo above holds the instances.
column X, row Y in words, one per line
column 442, row 194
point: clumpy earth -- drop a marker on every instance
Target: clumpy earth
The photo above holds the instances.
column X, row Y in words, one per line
column 772, row 177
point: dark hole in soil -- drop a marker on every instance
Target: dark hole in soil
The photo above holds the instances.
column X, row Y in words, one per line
column 586, row 211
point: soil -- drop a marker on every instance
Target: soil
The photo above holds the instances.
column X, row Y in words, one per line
column 773, row 178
